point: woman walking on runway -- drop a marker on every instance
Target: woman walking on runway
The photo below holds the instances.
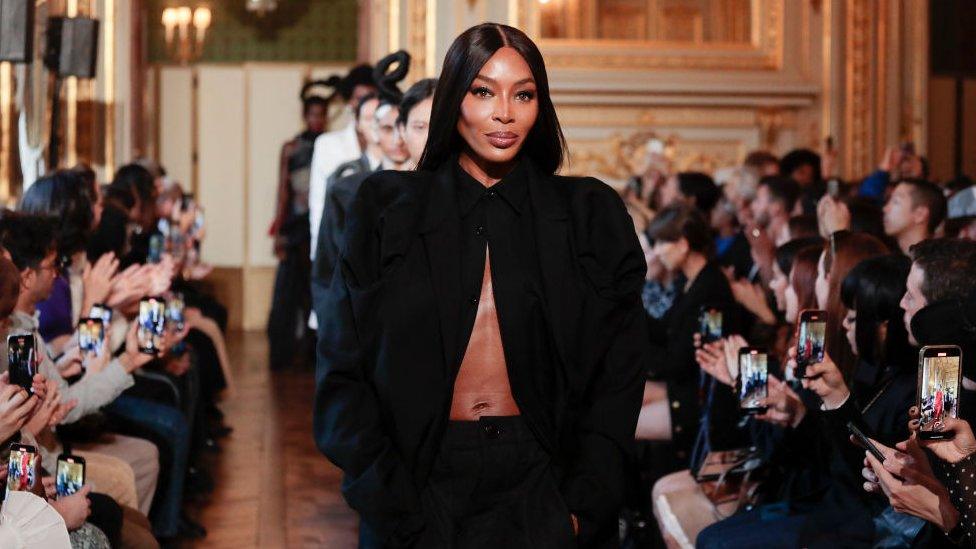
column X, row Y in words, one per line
column 482, row 366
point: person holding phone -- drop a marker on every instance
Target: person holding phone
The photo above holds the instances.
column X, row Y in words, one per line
column 883, row 388
column 671, row 409
column 483, row 302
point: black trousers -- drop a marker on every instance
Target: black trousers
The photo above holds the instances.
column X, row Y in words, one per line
column 492, row 486
column 288, row 335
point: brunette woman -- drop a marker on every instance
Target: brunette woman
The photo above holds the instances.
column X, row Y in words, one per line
column 481, row 366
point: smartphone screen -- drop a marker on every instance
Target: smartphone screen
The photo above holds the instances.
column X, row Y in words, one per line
column 155, row 248
column 174, row 311
column 102, row 311
column 70, row 476
column 753, row 371
column 21, row 468
column 710, row 324
column 91, row 335
column 938, row 388
column 833, row 188
column 811, row 337
column 152, row 318
column 21, row 360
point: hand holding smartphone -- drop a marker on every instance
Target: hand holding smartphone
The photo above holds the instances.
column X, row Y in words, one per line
column 810, row 340
column 865, row 442
column 939, row 380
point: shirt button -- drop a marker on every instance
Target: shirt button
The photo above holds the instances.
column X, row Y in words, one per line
column 473, row 300
column 480, row 231
column 676, row 405
column 492, row 194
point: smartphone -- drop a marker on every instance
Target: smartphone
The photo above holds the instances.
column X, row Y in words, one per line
column 864, row 442
column 197, row 223
column 174, row 311
column 102, row 311
column 939, row 379
column 636, row 185
column 21, row 468
column 152, row 320
column 91, row 336
column 710, row 324
column 810, row 340
column 155, row 248
column 753, row 374
column 21, row 360
column 70, row 475
column 833, row 188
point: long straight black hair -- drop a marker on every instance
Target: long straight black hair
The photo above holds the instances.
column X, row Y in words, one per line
column 874, row 288
column 469, row 52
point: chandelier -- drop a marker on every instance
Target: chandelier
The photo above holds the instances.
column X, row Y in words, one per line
column 261, row 7
column 182, row 43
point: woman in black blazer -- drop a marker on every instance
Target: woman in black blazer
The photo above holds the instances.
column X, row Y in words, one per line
column 484, row 262
column 683, row 241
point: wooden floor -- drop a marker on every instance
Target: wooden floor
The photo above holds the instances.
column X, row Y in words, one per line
column 274, row 489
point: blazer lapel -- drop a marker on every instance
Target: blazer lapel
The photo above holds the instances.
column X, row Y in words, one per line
column 556, row 258
column 441, row 236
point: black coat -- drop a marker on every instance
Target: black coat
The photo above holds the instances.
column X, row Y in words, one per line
column 386, row 365
column 342, row 187
column 673, row 359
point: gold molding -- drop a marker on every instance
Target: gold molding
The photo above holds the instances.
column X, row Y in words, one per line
column 430, row 36
column 109, row 59
column 417, row 32
column 859, row 37
column 393, row 24
column 609, row 158
column 7, row 123
column 617, row 116
column 765, row 52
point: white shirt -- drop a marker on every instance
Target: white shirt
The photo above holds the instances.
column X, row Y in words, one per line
column 331, row 149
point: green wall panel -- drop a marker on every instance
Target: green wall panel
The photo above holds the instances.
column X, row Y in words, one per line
column 300, row 30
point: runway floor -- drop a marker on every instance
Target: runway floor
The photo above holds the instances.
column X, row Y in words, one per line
column 274, row 489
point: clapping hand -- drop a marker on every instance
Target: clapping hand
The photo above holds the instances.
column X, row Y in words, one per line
column 15, row 407
column 98, row 279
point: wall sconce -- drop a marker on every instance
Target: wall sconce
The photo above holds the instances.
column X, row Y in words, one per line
column 261, row 7
column 177, row 21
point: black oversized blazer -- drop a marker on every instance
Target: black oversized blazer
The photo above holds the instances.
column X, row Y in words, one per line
column 385, row 371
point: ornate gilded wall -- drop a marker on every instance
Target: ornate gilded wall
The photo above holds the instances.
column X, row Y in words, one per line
column 808, row 69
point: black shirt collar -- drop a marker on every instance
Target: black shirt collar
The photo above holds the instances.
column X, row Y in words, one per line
column 513, row 188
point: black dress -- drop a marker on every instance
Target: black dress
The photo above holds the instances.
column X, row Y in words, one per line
column 292, row 299
column 574, row 342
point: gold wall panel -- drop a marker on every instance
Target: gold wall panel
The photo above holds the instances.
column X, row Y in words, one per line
column 763, row 52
